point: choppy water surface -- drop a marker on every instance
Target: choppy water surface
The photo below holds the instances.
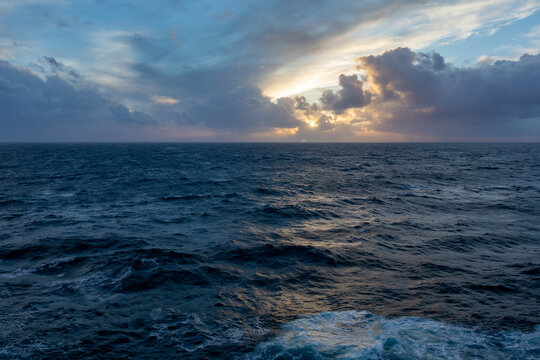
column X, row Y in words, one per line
column 263, row 251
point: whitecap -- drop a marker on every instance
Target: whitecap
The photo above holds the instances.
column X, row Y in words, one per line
column 362, row 335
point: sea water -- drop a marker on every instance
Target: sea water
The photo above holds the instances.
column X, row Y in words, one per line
column 270, row 251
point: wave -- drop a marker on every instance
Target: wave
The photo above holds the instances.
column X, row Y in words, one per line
column 197, row 197
column 281, row 254
column 362, row 335
column 294, row 212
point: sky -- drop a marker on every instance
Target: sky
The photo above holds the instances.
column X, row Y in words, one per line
column 274, row 70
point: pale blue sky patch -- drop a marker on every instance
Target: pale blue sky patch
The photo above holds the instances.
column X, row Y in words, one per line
column 508, row 43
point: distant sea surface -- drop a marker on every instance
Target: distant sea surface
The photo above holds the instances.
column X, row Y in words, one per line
column 270, row 251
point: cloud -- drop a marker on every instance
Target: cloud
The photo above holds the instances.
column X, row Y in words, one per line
column 223, row 70
column 243, row 110
column 164, row 100
column 411, row 95
column 196, row 83
column 284, row 47
column 66, row 22
column 401, row 92
column 402, row 71
column 57, row 67
column 351, row 95
column 123, row 114
column 53, row 109
column 324, row 123
column 420, row 93
column 218, row 98
column 371, row 27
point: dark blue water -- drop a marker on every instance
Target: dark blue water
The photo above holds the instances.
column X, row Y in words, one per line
column 270, row 251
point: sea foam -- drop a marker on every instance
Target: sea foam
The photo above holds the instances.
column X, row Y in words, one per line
column 363, row 335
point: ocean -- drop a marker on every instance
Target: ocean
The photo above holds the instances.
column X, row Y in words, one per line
column 270, row 251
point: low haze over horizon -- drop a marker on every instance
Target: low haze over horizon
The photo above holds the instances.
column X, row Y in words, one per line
column 174, row 70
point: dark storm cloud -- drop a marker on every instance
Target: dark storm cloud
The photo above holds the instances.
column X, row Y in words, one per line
column 351, row 95
column 243, row 110
column 421, row 89
column 32, row 107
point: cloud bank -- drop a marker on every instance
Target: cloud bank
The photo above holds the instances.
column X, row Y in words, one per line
column 420, row 93
column 400, row 94
column 54, row 109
